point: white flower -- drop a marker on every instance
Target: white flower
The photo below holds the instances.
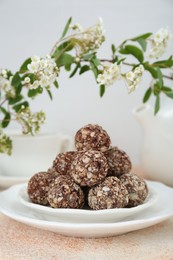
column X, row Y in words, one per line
column 159, row 42
column 45, row 71
column 133, row 78
column 27, row 80
column 109, row 74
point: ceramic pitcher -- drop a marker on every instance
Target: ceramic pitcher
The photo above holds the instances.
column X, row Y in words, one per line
column 157, row 142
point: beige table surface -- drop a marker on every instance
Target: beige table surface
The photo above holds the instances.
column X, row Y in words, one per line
column 19, row 241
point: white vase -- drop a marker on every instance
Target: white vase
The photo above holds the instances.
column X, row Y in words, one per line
column 157, row 142
column 32, row 154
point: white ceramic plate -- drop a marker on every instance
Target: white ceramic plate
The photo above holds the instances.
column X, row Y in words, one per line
column 162, row 210
column 86, row 215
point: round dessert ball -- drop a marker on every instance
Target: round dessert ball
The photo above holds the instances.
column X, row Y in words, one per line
column 111, row 193
column 137, row 189
column 65, row 193
column 38, row 187
column 63, row 162
column 118, row 161
column 89, row 168
column 92, row 137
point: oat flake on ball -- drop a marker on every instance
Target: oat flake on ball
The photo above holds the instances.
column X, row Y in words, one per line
column 65, row 193
column 118, row 161
column 38, row 187
column 137, row 189
column 89, row 168
column 92, row 137
column 111, row 193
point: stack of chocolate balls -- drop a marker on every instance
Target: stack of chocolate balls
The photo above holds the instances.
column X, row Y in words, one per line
column 96, row 175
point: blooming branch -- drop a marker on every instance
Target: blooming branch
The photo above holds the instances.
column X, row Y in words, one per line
column 77, row 52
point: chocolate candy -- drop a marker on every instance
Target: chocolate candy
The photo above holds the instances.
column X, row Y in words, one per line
column 89, row 168
column 65, row 193
column 63, row 162
column 137, row 189
column 111, row 193
column 38, row 187
column 118, row 161
column 92, row 137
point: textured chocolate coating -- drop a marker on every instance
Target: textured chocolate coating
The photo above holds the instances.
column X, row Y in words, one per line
column 63, row 162
column 111, row 193
column 137, row 189
column 65, row 193
column 92, row 137
column 118, row 161
column 89, row 168
column 38, row 187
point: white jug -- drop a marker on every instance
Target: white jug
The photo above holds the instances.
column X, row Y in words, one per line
column 157, row 142
column 32, row 154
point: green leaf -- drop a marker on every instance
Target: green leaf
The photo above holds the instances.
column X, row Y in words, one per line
column 142, row 43
column 113, row 48
column 24, row 67
column 66, row 27
column 169, row 94
column 147, row 95
column 143, row 36
column 152, row 70
column 166, row 89
column 49, row 93
column 56, row 84
column 88, row 57
column 123, row 51
column 16, row 80
column 65, row 60
column 96, row 61
column 135, row 51
column 34, row 92
column 64, row 47
column 121, row 60
column 7, row 117
column 157, row 104
column 94, row 69
column 102, row 90
column 20, row 105
column 163, row 64
column 14, row 100
column 84, row 69
column 160, row 77
column 75, row 70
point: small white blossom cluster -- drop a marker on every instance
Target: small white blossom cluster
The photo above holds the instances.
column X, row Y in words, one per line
column 134, row 77
column 5, row 143
column 159, row 43
column 89, row 39
column 30, row 122
column 45, row 71
column 109, row 75
column 5, row 83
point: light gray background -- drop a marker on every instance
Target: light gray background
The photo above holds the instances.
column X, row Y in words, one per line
column 30, row 27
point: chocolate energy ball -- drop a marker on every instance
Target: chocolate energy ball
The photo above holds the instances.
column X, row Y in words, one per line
column 111, row 193
column 63, row 162
column 92, row 137
column 137, row 189
column 38, row 187
column 89, row 168
column 118, row 161
column 65, row 193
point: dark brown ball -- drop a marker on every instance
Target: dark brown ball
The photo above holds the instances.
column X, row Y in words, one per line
column 65, row 193
column 89, row 168
column 92, row 137
column 137, row 189
column 62, row 162
column 111, row 193
column 118, row 161
column 38, row 187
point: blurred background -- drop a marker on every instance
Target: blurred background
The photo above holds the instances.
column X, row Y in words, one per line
column 32, row 27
